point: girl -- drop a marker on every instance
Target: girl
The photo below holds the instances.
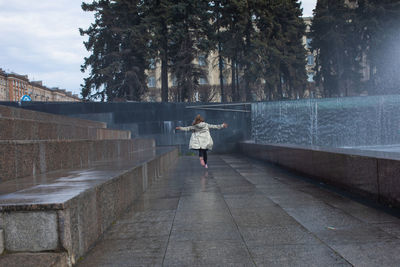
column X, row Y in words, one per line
column 201, row 139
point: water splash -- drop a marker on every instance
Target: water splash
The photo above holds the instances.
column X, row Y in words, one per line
column 332, row 122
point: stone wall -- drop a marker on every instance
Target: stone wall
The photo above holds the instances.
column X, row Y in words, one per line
column 24, row 158
column 156, row 120
column 370, row 174
column 47, row 219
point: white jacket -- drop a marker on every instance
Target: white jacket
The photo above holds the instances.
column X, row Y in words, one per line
column 201, row 138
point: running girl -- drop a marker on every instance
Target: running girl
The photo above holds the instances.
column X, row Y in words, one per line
column 201, row 139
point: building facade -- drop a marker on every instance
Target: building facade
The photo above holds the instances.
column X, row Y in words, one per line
column 311, row 90
column 209, row 85
column 14, row 86
column 3, row 85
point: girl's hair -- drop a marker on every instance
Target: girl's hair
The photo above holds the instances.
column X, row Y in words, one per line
column 198, row 119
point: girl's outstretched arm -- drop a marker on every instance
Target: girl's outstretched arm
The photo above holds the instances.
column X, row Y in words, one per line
column 188, row 128
column 218, row 126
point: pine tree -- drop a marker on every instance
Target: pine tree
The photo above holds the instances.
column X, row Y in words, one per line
column 335, row 40
column 281, row 61
column 380, row 37
column 292, row 66
column 189, row 30
column 157, row 17
column 219, row 39
column 117, row 40
column 249, row 61
column 235, row 25
column 259, row 41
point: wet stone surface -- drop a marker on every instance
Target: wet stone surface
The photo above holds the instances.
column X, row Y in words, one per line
column 243, row 213
column 53, row 190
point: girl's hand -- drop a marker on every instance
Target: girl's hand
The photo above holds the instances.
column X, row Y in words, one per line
column 177, row 128
column 225, row 125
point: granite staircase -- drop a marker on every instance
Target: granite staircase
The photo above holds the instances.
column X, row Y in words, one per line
column 64, row 181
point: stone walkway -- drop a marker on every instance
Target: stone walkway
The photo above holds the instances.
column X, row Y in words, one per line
column 243, row 213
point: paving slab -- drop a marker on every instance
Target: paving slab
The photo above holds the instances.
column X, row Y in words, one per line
column 127, row 252
column 278, row 235
column 296, row 255
column 207, row 253
column 208, row 231
column 370, row 253
column 241, row 212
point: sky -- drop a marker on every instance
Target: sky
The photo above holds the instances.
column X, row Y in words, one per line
column 41, row 39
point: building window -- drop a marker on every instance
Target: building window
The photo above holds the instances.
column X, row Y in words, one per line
column 310, row 77
column 202, row 60
column 152, row 64
column 308, row 43
column 223, row 64
column 310, row 60
column 174, row 81
column 151, row 81
column 203, row 81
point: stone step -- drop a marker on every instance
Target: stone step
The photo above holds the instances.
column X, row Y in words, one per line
column 30, row 158
column 1, row 241
column 35, row 259
column 19, row 113
column 69, row 213
column 24, row 129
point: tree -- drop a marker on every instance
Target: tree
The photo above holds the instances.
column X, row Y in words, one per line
column 118, row 41
column 219, row 38
column 157, row 17
column 189, row 31
column 258, row 41
column 380, row 37
column 233, row 48
column 293, row 53
column 281, row 54
column 335, row 40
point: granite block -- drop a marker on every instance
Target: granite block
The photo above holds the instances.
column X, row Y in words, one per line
column 330, row 167
column 361, row 176
column 30, row 231
column 20, row 113
column 23, row 129
column 365, row 175
column 1, row 241
column 87, row 209
column 7, row 162
column 59, row 259
column 25, row 158
column 389, row 182
column 300, row 160
column 6, row 129
column 67, row 233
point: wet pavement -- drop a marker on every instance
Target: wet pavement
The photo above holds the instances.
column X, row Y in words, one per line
column 243, row 213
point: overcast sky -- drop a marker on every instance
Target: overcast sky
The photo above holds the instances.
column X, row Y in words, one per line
column 41, row 39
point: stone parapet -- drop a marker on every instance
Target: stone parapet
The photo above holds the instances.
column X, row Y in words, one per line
column 19, row 113
column 24, row 129
column 30, row 158
column 73, row 211
column 366, row 173
column 1, row 241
